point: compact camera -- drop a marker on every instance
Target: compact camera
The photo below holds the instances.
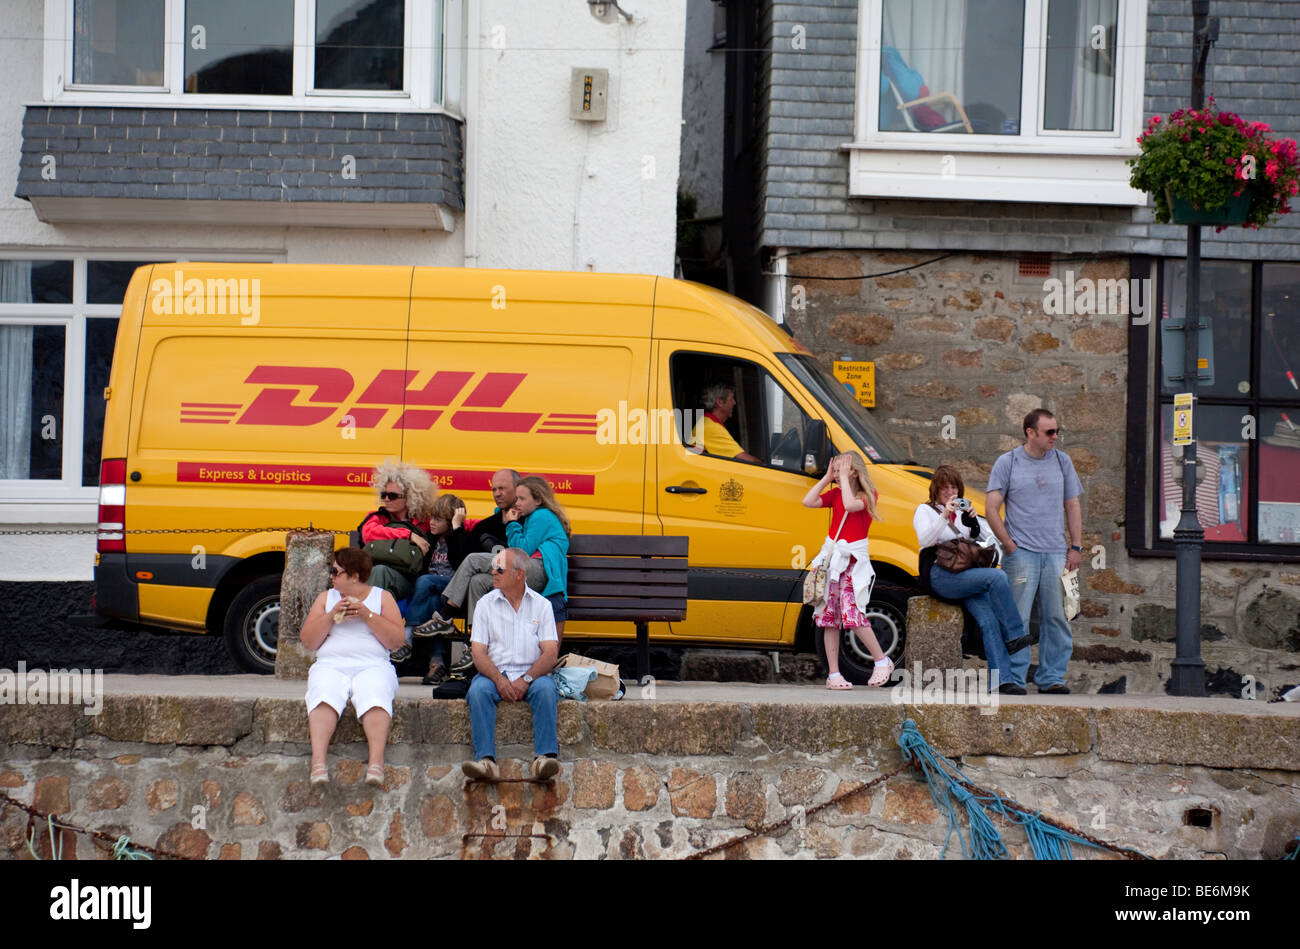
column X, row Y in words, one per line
column 963, row 504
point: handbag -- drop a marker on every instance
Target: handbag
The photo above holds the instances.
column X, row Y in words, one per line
column 400, row 553
column 814, row 581
column 962, row 553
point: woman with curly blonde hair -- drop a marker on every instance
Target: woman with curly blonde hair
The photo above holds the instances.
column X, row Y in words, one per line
column 406, row 500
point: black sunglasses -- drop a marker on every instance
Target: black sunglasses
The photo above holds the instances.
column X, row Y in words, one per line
column 390, row 496
column 1052, row 432
column 336, row 570
column 498, row 569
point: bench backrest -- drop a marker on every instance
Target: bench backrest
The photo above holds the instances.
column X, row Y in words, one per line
column 628, row 577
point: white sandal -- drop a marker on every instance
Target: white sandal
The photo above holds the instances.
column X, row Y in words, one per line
column 837, row 683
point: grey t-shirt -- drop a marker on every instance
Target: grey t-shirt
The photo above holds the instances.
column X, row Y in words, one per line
column 1035, row 491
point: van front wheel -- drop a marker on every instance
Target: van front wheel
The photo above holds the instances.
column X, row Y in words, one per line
column 253, row 625
column 887, row 612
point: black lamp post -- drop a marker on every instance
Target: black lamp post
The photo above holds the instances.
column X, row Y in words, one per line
column 1188, row 669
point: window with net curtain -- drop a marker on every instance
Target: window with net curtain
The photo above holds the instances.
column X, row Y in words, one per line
column 956, row 66
column 117, row 42
column 31, row 372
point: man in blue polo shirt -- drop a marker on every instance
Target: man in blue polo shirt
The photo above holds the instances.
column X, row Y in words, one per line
column 1038, row 482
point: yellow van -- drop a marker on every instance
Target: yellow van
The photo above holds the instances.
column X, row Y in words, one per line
column 245, row 399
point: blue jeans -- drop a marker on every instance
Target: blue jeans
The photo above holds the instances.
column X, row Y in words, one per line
column 986, row 592
column 483, row 698
column 1036, row 576
column 425, row 598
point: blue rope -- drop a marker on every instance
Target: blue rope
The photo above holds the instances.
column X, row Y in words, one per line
column 122, row 850
column 944, row 778
column 56, row 846
column 1294, row 850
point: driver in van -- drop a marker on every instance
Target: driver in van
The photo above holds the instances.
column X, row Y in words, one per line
column 719, row 403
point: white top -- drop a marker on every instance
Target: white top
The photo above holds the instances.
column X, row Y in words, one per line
column 931, row 527
column 513, row 637
column 351, row 640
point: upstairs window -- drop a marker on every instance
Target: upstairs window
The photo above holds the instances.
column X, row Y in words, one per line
column 238, row 52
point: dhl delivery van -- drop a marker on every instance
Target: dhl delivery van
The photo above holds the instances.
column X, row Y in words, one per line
column 246, row 399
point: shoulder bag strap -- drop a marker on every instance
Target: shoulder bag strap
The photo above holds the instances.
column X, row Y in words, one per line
column 841, row 527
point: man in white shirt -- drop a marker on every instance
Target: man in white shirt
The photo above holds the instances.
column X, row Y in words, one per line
column 514, row 647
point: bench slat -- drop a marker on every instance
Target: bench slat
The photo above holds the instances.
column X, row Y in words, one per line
column 635, row 594
column 627, row 544
column 643, row 602
column 629, row 563
column 635, row 616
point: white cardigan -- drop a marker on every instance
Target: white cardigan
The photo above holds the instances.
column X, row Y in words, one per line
column 835, row 554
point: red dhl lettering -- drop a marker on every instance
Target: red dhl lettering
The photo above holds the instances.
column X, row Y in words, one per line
column 311, row 395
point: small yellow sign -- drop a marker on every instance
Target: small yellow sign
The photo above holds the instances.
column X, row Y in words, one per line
column 1183, row 418
column 860, row 377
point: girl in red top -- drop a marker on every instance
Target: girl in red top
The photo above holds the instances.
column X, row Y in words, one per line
column 849, row 576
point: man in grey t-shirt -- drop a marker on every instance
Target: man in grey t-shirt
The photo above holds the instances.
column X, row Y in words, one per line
column 1037, row 481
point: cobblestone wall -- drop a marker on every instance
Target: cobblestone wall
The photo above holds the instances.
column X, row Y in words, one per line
column 648, row 780
column 964, row 348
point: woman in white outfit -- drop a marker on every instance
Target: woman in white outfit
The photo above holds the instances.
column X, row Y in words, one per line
column 352, row 627
column 849, row 574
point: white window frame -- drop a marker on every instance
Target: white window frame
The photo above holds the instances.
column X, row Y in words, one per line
column 72, row 317
column 1066, row 167
column 425, row 66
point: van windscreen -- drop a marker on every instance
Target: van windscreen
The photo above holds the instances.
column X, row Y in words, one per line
column 878, row 445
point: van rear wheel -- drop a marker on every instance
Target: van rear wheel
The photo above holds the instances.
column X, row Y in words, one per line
column 253, row 625
column 887, row 612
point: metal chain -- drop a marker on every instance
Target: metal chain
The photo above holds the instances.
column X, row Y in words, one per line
column 767, row 829
column 98, row 835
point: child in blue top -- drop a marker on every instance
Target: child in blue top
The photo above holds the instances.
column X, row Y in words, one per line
column 538, row 526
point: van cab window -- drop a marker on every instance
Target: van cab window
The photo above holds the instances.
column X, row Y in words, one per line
column 735, row 409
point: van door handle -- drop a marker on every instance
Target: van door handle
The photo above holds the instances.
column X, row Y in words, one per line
column 682, row 489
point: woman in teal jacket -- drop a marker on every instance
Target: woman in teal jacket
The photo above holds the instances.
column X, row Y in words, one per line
column 539, row 527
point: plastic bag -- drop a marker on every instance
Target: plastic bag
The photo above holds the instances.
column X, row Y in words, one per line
column 571, row 681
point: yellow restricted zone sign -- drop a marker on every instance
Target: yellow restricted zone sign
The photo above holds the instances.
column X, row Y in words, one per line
column 1183, row 418
column 860, row 377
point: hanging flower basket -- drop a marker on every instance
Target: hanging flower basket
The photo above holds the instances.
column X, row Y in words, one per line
column 1203, row 166
column 1234, row 212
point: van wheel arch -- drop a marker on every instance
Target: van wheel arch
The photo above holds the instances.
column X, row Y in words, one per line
column 263, row 572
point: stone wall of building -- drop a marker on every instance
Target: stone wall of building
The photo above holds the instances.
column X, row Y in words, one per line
column 964, row 348
column 221, row 778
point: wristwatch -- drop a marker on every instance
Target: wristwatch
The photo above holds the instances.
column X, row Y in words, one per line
column 1079, row 549
column 528, row 679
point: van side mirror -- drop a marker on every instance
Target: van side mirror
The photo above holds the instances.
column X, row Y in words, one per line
column 817, row 449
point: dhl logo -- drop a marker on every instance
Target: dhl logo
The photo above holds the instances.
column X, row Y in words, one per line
column 310, row 395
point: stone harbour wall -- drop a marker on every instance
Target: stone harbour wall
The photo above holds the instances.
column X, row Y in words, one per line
column 964, row 348
column 225, row 779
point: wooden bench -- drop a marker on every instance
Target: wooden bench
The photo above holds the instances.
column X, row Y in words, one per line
column 628, row 577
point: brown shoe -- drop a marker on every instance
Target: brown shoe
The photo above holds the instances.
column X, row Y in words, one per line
column 544, row 768
column 485, row 769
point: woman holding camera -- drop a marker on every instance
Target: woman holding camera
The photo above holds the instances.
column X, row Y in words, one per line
column 984, row 591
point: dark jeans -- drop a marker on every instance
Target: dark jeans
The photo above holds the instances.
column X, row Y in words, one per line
column 986, row 592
